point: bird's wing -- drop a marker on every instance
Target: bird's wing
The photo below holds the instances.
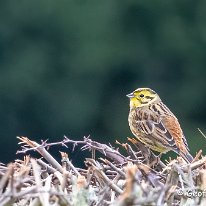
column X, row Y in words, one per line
column 174, row 129
column 164, row 129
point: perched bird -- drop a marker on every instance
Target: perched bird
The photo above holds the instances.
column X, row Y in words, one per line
column 153, row 124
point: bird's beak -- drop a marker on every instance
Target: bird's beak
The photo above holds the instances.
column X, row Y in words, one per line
column 131, row 95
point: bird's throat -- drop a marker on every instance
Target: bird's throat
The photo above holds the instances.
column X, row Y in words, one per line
column 134, row 102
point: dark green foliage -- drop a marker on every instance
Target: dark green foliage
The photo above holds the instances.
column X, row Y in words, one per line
column 66, row 66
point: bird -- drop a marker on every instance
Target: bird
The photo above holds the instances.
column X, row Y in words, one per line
column 152, row 123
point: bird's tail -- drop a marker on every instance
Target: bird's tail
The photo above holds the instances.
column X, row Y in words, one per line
column 187, row 157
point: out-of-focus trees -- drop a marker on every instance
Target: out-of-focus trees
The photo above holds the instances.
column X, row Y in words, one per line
column 66, row 66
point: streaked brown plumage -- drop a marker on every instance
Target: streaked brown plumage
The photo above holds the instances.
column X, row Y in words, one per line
column 152, row 122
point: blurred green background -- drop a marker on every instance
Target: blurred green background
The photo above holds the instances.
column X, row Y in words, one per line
column 66, row 66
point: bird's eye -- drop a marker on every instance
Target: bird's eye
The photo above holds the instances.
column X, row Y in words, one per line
column 141, row 95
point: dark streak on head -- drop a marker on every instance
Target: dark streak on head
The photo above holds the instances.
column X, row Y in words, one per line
column 148, row 97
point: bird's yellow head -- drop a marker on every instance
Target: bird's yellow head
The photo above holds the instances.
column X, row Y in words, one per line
column 142, row 97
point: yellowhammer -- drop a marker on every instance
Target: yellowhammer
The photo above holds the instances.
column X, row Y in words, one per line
column 155, row 125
